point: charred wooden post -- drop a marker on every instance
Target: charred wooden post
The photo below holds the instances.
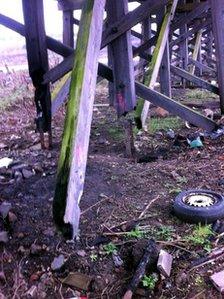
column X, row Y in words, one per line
column 38, row 63
column 75, row 141
column 217, row 8
column 122, row 60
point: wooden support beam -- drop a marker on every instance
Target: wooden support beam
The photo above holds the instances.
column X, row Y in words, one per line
column 174, row 107
column 130, row 19
column 190, row 32
column 70, row 4
column 186, row 19
column 157, row 98
column 143, row 107
column 201, row 65
column 196, row 80
column 217, row 8
column 68, row 32
column 122, row 60
column 75, row 141
column 38, row 63
column 164, row 73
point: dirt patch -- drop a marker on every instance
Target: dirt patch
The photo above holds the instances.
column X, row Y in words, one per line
column 123, row 189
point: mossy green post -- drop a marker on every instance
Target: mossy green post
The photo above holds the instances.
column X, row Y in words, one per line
column 154, row 64
column 78, row 120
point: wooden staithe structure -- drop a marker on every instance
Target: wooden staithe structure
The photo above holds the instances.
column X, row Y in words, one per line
column 181, row 43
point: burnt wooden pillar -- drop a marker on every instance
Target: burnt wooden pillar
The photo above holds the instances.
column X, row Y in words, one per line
column 122, row 60
column 38, row 62
column 217, row 8
column 68, row 32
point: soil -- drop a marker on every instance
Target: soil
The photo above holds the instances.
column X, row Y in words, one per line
column 117, row 189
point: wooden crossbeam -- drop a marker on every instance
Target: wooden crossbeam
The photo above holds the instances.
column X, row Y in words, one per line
column 174, row 107
column 201, row 65
column 194, row 79
column 131, row 19
column 190, row 32
column 200, row 8
column 75, row 141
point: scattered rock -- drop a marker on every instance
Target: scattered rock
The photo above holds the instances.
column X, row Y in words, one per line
column 49, row 232
column 161, row 112
column 218, row 281
column 3, row 145
column 32, row 292
column 81, row 253
column 21, row 249
column 18, row 176
column 164, row 263
column 118, row 262
column 35, row 249
column 17, row 166
column 12, row 217
column 5, row 208
column 27, row 173
column 4, row 237
column 38, row 168
column 58, row 262
column 78, row 280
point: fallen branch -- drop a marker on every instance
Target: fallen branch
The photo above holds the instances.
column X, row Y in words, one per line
column 147, row 207
column 149, row 258
column 95, row 204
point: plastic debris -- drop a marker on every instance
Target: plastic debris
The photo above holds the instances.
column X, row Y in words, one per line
column 5, row 162
column 58, row 262
column 195, row 143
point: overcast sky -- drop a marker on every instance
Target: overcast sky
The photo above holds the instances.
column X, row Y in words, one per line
column 53, row 20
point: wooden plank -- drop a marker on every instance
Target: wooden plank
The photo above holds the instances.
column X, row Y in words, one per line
column 156, row 98
column 70, row 4
column 143, row 107
column 186, row 19
column 164, row 73
column 190, row 32
column 196, row 80
column 174, row 107
column 75, row 141
column 68, row 32
column 201, row 65
column 130, row 19
column 60, row 93
column 38, row 62
column 217, row 8
column 123, row 68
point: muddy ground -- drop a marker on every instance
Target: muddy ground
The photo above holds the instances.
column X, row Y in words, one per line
column 117, row 189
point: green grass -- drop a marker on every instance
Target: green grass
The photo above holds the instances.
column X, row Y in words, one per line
column 200, row 236
column 158, row 124
column 150, row 281
column 110, row 248
column 200, row 94
column 11, row 97
column 116, row 133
